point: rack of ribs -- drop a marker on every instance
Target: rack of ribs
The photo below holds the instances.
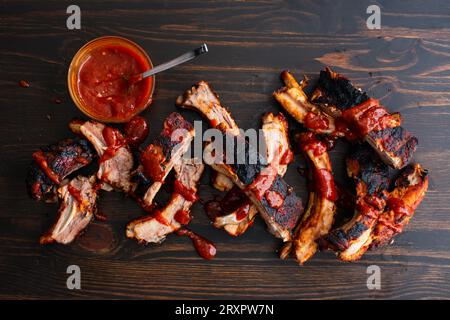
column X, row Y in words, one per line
column 339, row 109
column 77, row 208
column 320, row 211
column 53, row 163
column 235, row 211
column 155, row 227
column 159, row 157
column 115, row 157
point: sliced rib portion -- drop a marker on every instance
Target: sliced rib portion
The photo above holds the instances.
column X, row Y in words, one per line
column 365, row 118
column 202, row 98
column 78, row 205
column 294, row 100
column 235, row 218
column 53, row 163
column 154, row 228
column 410, row 189
column 116, row 159
column 160, row 156
column 371, row 175
column 319, row 215
column 273, row 197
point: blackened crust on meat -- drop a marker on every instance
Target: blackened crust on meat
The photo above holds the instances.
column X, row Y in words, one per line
column 357, row 230
column 63, row 158
column 339, row 91
column 247, row 172
column 39, row 186
column 167, row 137
column 142, row 183
column 397, row 141
column 374, row 173
column 289, row 213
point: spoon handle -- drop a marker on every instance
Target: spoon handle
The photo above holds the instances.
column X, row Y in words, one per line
column 172, row 63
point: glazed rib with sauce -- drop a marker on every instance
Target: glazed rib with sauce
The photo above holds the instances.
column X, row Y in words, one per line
column 160, row 156
column 155, row 227
column 321, row 208
column 273, row 197
column 235, row 218
column 77, row 208
column 294, row 100
column 409, row 191
column 116, row 160
column 364, row 118
column 372, row 179
column 53, row 163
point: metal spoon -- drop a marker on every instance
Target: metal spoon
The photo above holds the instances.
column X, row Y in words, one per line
column 169, row 64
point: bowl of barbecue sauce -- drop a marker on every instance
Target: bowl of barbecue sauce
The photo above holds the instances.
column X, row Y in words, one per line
column 98, row 79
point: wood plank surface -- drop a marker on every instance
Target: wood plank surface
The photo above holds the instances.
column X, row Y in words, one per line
column 406, row 64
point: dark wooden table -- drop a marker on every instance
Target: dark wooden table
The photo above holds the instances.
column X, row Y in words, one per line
column 406, row 64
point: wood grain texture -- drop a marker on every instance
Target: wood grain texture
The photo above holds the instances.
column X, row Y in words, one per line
column 406, row 64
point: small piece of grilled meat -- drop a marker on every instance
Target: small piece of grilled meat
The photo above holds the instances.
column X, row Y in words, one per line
column 365, row 118
column 159, row 158
column 237, row 219
column 202, row 98
column 275, row 200
column 372, row 178
column 319, row 215
column 155, row 227
column 55, row 162
column 77, row 208
column 116, row 159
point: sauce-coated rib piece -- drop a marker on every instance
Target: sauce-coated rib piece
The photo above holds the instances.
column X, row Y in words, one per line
column 51, row 164
column 77, row 208
column 319, row 215
column 155, row 227
column 160, row 156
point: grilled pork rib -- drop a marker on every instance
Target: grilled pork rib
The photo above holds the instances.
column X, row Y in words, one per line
column 160, row 156
column 78, row 205
column 279, row 154
column 365, row 118
column 203, row 99
column 339, row 109
column 273, row 197
column 116, row 159
column 155, row 227
column 53, row 163
column 319, row 214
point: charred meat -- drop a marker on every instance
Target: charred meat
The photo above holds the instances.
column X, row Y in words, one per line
column 53, row 163
column 319, row 215
column 116, row 159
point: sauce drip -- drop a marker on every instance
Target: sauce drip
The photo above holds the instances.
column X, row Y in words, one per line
column 182, row 217
column 287, row 157
column 234, row 201
column 188, row 194
column 324, row 184
column 24, row 83
column 75, row 193
column 263, row 182
column 315, row 121
column 39, row 157
column 274, row 199
column 114, row 141
column 309, row 142
column 204, row 247
column 400, row 208
column 136, row 130
column 151, row 159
